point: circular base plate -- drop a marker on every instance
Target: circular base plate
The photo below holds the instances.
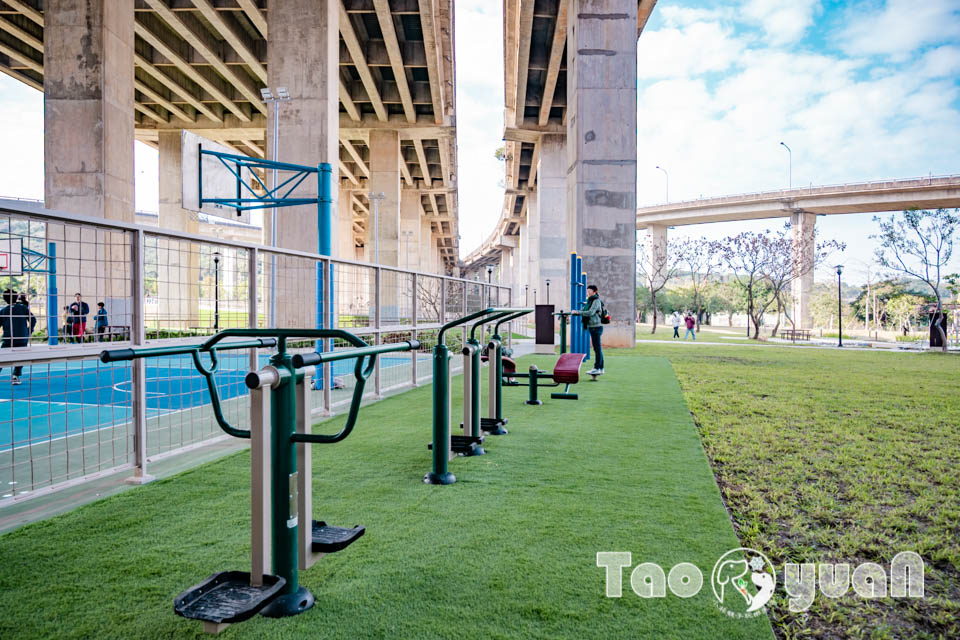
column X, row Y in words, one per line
column 289, row 605
column 496, row 431
column 536, row 402
column 433, row 478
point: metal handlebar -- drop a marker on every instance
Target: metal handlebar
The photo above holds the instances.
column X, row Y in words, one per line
column 513, row 316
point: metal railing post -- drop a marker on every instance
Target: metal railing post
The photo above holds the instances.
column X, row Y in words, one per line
column 253, row 256
column 326, row 375
column 414, row 310
column 138, row 369
column 377, row 316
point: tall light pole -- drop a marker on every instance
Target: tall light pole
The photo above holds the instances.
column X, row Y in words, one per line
column 489, row 282
column 790, row 160
column 375, row 199
column 548, row 290
column 667, row 177
column 839, row 268
column 268, row 98
column 406, row 244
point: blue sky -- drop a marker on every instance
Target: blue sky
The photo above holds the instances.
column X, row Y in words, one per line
column 859, row 90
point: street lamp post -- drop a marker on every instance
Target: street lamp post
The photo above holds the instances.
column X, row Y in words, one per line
column 548, row 290
column 406, row 243
column 526, row 295
column 216, row 291
column 375, row 199
column 268, row 98
column 839, row 305
column 790, row 160
column 489, row 288
column 667, row 178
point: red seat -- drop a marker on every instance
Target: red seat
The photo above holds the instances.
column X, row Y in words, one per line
column 567, row 369
column 509, row 364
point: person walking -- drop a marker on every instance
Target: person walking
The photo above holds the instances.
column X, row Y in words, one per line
column 676, row 324
column 691, row 323
column 16, row 325
column 78, row 311
column 591, row 316
column 101, row 321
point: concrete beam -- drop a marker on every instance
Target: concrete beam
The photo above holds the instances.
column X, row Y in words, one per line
column 348, row 103
column 234, row 36
column 553, row 66
column 431, row 44
column 523, row 58
column 175, row 87
column 359, row 61
column 385, row 18
column 252, row 12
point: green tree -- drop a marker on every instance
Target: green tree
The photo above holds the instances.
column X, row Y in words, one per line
column 903, row 310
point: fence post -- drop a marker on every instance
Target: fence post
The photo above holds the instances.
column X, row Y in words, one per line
column 377, row 314
column 414, row 310
column 253, row 256
column 138, row 369
column 327, row 372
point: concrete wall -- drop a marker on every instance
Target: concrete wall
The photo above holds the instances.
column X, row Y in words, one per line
column 385, row 179
column 554, row 256
column 804, row 242
column 602, row 153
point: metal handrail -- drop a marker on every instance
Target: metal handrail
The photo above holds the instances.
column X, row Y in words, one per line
column 467, row 318
column 519, row 313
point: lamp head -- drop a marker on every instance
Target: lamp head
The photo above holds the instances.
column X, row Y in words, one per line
column 282, row 93
column 839, row 269
column 265, row 94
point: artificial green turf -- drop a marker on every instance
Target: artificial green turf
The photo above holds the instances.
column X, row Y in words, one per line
column 509, row 551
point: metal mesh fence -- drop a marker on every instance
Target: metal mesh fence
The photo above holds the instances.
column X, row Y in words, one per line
column 66, row 417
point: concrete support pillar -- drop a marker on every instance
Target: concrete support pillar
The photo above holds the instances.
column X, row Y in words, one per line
column 410, row 215
column 803, row 225
column 88, row 108
column 303, row 56
column 656, row 245
column 551, row 202
column 602, row 153
column 178, row 271
column 346, row 247
column 385, row 178
column 506, row 272
column 535, row 289
column 428, row 248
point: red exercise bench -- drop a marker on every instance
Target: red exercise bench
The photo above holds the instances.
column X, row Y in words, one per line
column 565, row 372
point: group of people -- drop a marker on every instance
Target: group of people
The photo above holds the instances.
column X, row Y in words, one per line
column 75, row 316
column 688, row 320
column 17, row 323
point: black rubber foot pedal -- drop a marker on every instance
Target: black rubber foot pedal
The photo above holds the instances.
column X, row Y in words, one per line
column 227, row 597
column 327, row 539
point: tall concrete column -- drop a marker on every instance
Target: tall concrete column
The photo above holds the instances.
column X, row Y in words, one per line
column 507, row 273
column 602, row 153
column 533, row 250
column 178, row 271
column 427, row 247
column 803, row 225
column 385, row 178
column 88, row 108
column 656, row 245
column 343, row 234
column 554, row 257
column 409, row 243
column 303, row 55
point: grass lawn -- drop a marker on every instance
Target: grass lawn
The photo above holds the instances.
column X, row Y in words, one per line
column 509, row 551
column 732, row 335
column 837, row 456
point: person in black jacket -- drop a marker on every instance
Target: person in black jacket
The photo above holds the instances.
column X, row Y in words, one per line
column 78, row 311
column 16, row 324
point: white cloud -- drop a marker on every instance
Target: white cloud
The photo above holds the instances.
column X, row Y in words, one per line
column 696, row 48
column 900, row 27
column 782, row 22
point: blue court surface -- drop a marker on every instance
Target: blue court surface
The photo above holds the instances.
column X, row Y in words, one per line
column 68, row 398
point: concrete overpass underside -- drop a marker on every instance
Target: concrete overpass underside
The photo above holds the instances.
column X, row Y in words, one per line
column 372, row 84
column 570, row 122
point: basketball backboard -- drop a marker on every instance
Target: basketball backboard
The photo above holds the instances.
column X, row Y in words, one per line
column 218, row 181
column 11, row 255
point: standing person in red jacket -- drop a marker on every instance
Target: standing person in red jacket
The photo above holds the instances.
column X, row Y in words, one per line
column 691, row 323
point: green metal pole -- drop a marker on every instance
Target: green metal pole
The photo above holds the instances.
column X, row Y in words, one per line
column 284, row 499
column 533, row 399
column 441, row 417
column 475, row 386
column 498, row 388
column 563, row 332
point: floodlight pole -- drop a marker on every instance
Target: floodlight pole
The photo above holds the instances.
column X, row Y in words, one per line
column 839, row 305
column 790, row 161
column 667, row 186
column 269, row 98
column 375, row 199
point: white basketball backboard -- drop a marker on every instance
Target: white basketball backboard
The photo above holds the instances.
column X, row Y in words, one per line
column 218, row 180
column 11, row 255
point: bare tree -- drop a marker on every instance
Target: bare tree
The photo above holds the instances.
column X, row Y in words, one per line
column 919, row 244
column 789, row 259
column 746, row 255
column 701, row 257
column 657, row 265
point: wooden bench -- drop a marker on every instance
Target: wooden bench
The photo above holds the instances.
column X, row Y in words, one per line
column 795, row 334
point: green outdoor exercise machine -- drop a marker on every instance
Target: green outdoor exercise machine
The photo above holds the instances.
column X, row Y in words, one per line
column 494, row 423
column 444, row 444
column 284, row 537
